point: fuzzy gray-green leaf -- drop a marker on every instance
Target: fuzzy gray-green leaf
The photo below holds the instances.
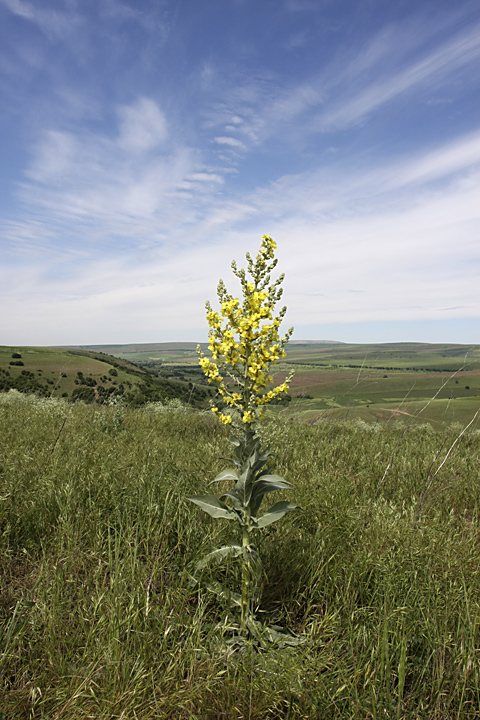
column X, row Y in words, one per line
column 218, row 555
column 213, row 506
column 228, row 474
column 234, row 497
column 266, row 484
column 274, row 513
column 282, row 484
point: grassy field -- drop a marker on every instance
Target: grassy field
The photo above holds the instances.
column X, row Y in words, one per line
column 369, row 382
column 391, row 356
column 378, row 573
column 388, row 356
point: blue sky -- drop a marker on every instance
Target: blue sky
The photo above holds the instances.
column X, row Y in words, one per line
column 145, row 144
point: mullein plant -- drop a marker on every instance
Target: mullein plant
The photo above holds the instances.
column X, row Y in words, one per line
column 244, row 345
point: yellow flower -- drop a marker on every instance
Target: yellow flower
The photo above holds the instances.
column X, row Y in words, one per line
column 243, row 339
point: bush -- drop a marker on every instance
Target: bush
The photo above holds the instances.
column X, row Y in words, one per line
column 87, row 394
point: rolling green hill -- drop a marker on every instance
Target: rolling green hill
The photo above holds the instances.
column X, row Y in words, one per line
column 375, row 382
column 79, row 374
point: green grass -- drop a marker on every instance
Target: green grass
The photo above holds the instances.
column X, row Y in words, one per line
column 57, row 372
column 61, row 367
column 388, row 356
column 379, row 572
column 366, row 381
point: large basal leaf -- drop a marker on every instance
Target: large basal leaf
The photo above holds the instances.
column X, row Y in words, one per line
column 213, row 506
column 274, row 513
column 232, row 597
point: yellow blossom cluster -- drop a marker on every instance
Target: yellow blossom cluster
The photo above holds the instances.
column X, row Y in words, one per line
column 244, row 342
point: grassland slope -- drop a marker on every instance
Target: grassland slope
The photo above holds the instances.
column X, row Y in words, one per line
column 377, row 573
column 90, row 376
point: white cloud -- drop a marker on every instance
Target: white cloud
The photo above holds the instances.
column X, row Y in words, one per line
column 205, row 177
column 232, row 142
column 288, row 106
column 459, row 155
column 400, row 60
column 128, row 184
column 19, row 7
column 55, row 24
column 54, row 157
column 136, row 222
column 142, row 126
column 462, row 50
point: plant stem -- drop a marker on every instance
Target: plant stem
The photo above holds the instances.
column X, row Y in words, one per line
column 245, row 580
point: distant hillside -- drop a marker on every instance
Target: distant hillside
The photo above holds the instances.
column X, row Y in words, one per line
column 422, row 356
column 371, row 382
column 133, row 348
column 90, row 376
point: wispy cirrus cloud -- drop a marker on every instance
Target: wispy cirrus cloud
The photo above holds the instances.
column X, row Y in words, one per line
column 336, row 232
column 153, row 163
column 56, row 24
column 436, row 67
column 132, row 183
column 230, row 141
column 354, row 86
column 143, row 126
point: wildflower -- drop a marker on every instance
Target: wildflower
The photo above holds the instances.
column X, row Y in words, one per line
column 244, row 344
column 244, row 340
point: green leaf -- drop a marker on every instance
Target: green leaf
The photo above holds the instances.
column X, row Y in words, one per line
column 274, row 513
column 218, row 555
column 232, row 597
column 234, row 496
column 229, row 474
column 282, row 484
column 213, row 506
column 266, row 484
column 241, row 488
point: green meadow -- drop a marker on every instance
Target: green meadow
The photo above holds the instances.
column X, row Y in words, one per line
column 377, row 574
column 89, row 376
column 375, row 383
